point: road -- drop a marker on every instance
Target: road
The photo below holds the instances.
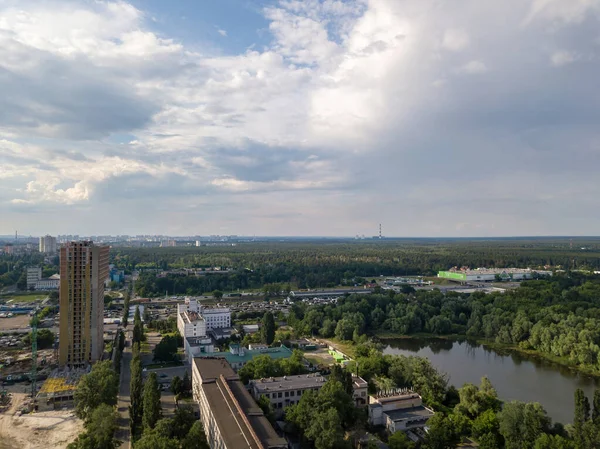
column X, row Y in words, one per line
column 124, row 399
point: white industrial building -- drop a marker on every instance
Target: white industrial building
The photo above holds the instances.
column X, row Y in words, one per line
column 214, row 317
column 398, row 409
column 191, row 324
column 34, row 274
column 50, row 283
column 492, row 274
column 47, row 244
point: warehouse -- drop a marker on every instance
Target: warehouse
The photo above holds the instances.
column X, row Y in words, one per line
column 491, row 274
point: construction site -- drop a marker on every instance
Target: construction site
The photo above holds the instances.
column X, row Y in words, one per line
column 36, row 398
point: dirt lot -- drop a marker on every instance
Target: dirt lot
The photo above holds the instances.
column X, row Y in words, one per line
column 55, row 429
column 319, row 357
column 16, row 322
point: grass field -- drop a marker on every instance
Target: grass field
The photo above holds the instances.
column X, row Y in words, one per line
column 25, row 298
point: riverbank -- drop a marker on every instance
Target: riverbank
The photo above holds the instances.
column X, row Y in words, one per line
column 498, row 347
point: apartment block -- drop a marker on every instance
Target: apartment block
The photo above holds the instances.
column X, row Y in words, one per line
column 34, row 274
column 47, row 244
column 83, row 270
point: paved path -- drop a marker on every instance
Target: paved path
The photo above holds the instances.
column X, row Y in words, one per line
column 124, row 399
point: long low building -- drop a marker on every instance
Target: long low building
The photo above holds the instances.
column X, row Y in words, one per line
column 329, row 293
column 231, row 418
column 287, row 390
column 492, row 274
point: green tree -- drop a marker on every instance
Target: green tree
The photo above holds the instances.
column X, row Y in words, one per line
column 596, row 411
column 152, row 440
column 136, row 388
column 183, row 421
column 99, row 430
column 399, row 440
column 343, row 376
column 195, row 439
column 186, row 383
column 176, row 385
column 151, row 407
column 546, row 441
column 521, row 424
column 138, row 327
column 102, row 426
column 100, row 386
column 582, row 414
column 442, row 434
column 268, row 328
column 217, row 294
column 326, row 430
column 45, row 338
column 265, row 405
column 166, row 349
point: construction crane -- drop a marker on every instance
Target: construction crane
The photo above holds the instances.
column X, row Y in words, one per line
column 33, row 375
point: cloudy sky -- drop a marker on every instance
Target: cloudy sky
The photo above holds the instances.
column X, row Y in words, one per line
column 311, row 117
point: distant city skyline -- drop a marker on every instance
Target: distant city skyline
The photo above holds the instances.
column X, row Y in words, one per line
column 300, row 118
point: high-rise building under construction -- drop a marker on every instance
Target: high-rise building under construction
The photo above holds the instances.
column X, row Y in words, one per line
column 83, row 270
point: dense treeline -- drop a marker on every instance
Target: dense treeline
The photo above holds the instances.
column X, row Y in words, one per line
column 13, row 268
column 558, row 317
column 314, row 265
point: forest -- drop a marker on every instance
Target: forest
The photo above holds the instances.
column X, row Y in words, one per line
column 318, row 265
column 559, row 317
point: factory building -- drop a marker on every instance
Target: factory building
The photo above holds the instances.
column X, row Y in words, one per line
column 214, row 317
column 398, row 409
column 230, row 417
column 491, row 274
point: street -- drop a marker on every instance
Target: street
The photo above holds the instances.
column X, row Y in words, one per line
column 124, row 400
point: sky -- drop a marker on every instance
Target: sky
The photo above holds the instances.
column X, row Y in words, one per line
column 288, row 117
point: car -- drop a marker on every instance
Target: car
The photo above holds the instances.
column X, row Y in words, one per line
column 145, row 369
column 163, row 375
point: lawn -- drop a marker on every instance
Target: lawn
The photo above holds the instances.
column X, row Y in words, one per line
column 26, row 298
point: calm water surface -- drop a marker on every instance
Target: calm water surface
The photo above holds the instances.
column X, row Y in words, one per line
column 515, row 377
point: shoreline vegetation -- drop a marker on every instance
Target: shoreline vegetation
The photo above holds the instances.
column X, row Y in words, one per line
column 497, row 347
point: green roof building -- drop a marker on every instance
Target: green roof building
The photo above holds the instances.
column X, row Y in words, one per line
column 238, row 356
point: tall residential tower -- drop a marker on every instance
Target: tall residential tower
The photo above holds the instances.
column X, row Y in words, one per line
column 83, row 270
column 48, row 244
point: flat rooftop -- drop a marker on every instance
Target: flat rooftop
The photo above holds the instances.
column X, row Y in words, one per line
column 496, row 271
column 281, row 352
column 191, row 317
column 318, row 293
column 299, row 382
column 241, row 422
column 410, row 414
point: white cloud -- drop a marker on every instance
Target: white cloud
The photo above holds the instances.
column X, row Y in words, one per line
column 338, row 113
column 222, row 32
column 561, row 58
column 474, row 68
column 455, row 40
column 566, row 11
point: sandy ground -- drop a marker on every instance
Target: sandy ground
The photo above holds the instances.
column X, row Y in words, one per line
column 16, row 322
column 42, row 430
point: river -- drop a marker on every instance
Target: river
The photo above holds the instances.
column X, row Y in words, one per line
column 515, row 377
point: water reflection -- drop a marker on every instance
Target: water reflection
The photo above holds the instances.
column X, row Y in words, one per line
column 515, row 376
